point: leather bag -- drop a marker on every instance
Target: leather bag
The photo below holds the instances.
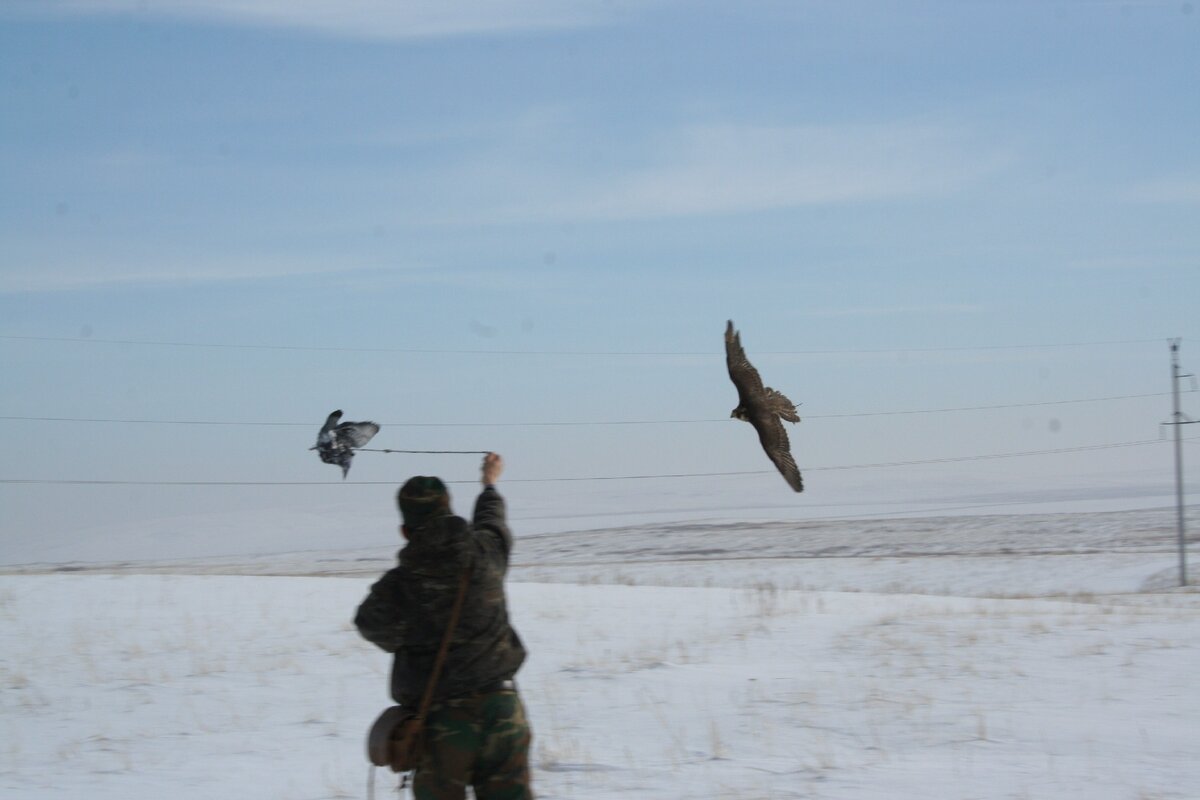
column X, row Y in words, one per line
column 395, row 739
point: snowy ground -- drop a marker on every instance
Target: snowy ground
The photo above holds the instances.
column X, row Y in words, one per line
column 1000, row 657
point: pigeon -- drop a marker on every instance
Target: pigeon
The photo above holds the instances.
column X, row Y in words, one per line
column 762, row 407
column 336, row 443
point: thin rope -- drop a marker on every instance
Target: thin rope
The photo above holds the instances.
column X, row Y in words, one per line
column 452, row 452
column 400, row 787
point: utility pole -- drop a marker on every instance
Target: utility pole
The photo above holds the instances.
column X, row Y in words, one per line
column 1178, row 421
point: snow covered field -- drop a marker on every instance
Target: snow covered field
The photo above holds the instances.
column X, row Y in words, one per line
column 998, row 657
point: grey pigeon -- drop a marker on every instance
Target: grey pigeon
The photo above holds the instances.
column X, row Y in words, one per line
column 336, row 443
column 763, row 407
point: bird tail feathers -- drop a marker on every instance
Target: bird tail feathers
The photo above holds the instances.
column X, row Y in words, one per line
column 780, row 405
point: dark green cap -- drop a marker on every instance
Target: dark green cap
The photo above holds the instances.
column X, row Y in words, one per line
column 422, row 497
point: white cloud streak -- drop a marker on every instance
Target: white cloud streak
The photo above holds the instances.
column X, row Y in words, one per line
column 90, row 274
column 365, row 19
column 520, row 177
column 730, row 169
column 887, row 311
column 86, row 274
column 1176, row 189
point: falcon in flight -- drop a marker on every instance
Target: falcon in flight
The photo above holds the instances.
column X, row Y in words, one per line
column 762, row 407
column 336, row 443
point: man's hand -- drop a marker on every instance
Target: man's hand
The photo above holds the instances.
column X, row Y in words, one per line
column 493, row 465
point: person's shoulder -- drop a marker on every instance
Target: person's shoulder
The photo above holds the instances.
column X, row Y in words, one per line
column 439, row 543
column 389, row 584
column 455, row 531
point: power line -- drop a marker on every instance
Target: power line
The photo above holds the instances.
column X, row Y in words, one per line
column 990, row 456
column 467, row 351
column 157, row 421
column 991, row 407
column 594, row 478
column 572, row 423
column 896, row 510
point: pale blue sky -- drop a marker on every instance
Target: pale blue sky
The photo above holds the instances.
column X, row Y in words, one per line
column 539, row 178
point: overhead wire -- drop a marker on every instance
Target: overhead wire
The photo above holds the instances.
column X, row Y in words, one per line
column 894, row 509
column 596, row 478
column 511, row 352
column 571, row 423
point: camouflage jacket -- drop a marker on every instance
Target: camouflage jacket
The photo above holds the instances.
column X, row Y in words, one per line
column 407, row 610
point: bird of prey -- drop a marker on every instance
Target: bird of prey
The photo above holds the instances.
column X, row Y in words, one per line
column 336, row 443
column 762, row 407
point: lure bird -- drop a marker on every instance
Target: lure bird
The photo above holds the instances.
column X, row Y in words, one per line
column 762, row 407
column 336, row 442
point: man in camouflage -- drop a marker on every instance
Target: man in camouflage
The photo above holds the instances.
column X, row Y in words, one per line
column 476, row 731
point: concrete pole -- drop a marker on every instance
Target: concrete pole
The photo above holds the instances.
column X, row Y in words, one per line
column 1177, row 423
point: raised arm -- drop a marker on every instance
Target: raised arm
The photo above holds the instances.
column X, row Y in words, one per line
column 490, row 514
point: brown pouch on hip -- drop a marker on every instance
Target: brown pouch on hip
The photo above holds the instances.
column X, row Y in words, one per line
column 395, row 739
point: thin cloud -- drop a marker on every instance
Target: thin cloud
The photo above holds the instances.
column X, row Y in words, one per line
column 1142, row 262
column 104, row 276
column 68, row 280
column 889, row 311
column 364, row 19
column 1176, row 189
column 729, row 169
column 93, row 275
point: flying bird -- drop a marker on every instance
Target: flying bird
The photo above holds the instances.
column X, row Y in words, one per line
column 762, row 407
column 336, row 443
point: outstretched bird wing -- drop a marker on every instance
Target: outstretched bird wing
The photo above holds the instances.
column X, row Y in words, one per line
column 743, row 374
column 356, row 434
column 326, row 432
column 775, row 442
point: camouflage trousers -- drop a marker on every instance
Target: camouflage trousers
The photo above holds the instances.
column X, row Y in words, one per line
column 480, row 741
